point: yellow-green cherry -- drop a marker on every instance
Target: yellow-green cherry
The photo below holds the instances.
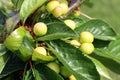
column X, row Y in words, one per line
column 52, row 5
column 54, row 66
column 75, row 43
column 41, row 50
column 40, row 29
column 64, row 8
column 64, row 72
column 86, row 37
column 72, row 77
column 87, row 48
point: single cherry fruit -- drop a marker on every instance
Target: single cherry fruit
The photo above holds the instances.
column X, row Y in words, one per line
column 54, row 66
column 72, row 77
column 40, row 29
column 76, row 13
column 64, row 72
column 41, row 50
column 70, row 23
column 64, row 8
column 75, row 43
column 87, row 48
column 57, row 12
column 86, row 37
column 51, row 5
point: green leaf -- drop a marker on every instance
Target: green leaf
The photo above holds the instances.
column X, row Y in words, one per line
column 107, row 62
column 100, row 44
column 46, row 73
column 42, row 58
column 13, row 64
column 36, row 74
column 26, row 49
column 28, row 7
column 100, row 68
column 11, row 23
column 28, row 75
column 17, row 3
column 57, row 30
column 14, row 41
column 4, row 56
column 98, row 28
column 72, row 58
column 114, row 49
column 1, row 29
column 107, row 54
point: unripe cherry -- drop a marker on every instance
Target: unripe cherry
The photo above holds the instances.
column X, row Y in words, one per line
column 57, row 12
column 64, row 8
column 75, row 43
column 76, row 13
column 87, row 48
column 40, row 29
column 86, row 37
column 64, row 72
column 70, row 23
column 72, row 77
column 51, row 5
column 41, row 50
column 54, row 66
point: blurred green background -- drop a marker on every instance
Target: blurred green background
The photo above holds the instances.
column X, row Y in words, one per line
column 107, row 10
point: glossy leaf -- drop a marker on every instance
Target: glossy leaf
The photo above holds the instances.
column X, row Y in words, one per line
column 17, row 3
column 106, row 61
column 46, row 73
column 26, row 48
column 57, row 30
column 100, row 43
column 71, row 57
column 98, row 28
column 107, row 54
column 114, row 49
column 28, row 75
column 13, row 64
column 100, row 68
column 4, row 56
column 42, row 58
column 28, row 7
column 11, row 23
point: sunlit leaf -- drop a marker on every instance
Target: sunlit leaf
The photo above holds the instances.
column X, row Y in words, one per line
column 98, row 28
column 71, row 57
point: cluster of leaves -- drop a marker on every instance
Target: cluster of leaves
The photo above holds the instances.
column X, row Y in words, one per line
column 22, row 41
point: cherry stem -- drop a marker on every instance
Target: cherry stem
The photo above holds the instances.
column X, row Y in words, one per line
column 85, row 15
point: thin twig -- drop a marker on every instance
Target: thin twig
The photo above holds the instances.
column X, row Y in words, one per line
column 72, row 5
column 85, row 15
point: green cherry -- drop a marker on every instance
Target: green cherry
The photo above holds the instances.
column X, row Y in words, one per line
column 75, row 43
column 64, row 72
column 54, row 66
column 64, row 8
column 87, row 48
column 51, row 5
column 76, row 13
column 40, row 29
column 72, row 77
column 86, row 37
column 41, row 50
